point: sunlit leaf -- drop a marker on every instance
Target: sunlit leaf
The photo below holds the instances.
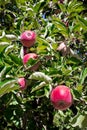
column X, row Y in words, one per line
column 41, row 76
column 82, row 22
column 80, row 121
column 39, row 5
column 9, row 49
column 3, row 45
column 7, row 87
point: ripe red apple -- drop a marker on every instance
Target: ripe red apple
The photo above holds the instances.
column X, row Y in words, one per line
column 28, row 56
column 22, row 83
column 61, row 97
column 28, row 38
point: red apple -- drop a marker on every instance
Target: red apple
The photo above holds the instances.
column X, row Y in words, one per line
column 22, row 83
column 61, row 97
column 28, row 38
column 28, row 56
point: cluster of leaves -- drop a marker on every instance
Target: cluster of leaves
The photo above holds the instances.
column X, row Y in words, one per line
column 54, row 22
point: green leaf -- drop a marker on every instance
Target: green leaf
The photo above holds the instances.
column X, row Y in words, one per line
column 18, row 98
column 4, row 2
column 39, row 5
column 9, row 49
column 42, row 45
column 7, row 87
column 79, row 88
column 41, row 48
column 3, row 45
column 62, row 7
column 3, row 82
column 42, row 40
column 75, row 7
column 7, row 37
column 80, row 120
column 4, row 71
column 8, row 61
column 73, row 60
column 31, row 62
column 15, row 59
column 82, row 22
column 77, row 27
column 11, row 37
column 47, row 90
column 61, row 27
column 20, row 1
column 38, row 87
column 66, row 71
column 72, row 3
column 83, row 76
column 76, row 94
column 41, row 76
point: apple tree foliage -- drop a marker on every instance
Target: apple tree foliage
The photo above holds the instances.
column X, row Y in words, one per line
column 55, row 22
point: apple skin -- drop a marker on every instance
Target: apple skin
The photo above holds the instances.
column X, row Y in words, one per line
column 64, row 49
column 28, row 38
column 61, row 97
column 22, row 83
column 28, row 56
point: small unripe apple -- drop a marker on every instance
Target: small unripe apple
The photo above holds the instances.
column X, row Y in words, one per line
column 22, row 83
column 61, row 97
column 63, row 48
column 28, row 38
column 28, row 56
